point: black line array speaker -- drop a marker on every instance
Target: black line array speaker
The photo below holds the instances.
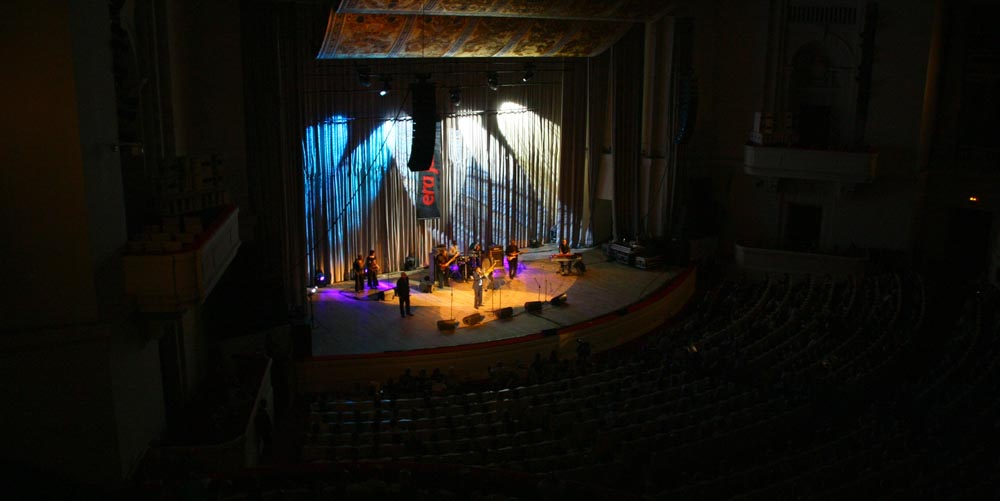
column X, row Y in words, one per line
column 424, row 121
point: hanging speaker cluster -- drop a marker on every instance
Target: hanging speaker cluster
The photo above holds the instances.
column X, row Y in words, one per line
column 424, row 121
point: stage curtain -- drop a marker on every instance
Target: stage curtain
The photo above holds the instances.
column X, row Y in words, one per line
column 327, row 157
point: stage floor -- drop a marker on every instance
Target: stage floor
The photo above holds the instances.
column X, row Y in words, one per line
column 345, row 322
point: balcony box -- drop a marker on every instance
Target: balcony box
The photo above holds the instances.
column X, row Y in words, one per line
column 164, row 279
column 819, row 165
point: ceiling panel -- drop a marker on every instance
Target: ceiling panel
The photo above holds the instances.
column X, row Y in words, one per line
column 481, row 28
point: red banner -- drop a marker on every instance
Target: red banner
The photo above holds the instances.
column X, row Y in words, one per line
column 430, row 181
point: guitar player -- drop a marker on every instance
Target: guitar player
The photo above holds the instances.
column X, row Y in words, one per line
column 512, row 252
column 442, row 262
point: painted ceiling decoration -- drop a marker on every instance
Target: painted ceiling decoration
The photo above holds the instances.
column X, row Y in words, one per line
column 481, row 28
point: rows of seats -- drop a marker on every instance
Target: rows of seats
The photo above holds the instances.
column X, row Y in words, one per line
column 695, row 413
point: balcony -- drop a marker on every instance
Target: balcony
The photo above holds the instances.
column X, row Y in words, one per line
column 180, row 272
column 819, row 165
column 781, row 261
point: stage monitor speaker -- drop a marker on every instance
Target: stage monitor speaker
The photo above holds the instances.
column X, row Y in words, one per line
column 533, row 306
column 559, row 300
column 505, row 313
column 424, row 126
column 473, row 319
column 447, row 325
column 377, row 296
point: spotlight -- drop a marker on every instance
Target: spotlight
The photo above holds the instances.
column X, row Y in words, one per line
column 385, row 86
column 321, row 280
column 456, row 96
column 529, row 72
column 493, row 80
column 558, row 300
column 311, row 290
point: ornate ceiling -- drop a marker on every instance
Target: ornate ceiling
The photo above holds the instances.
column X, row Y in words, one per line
column 481, row 28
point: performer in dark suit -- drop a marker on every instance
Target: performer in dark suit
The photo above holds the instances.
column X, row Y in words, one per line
column 371, row 265
column 403, row 293
column 512, row 252
column 359, row 274
column 477, row 285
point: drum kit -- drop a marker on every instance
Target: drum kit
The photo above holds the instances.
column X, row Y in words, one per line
column 467, row 264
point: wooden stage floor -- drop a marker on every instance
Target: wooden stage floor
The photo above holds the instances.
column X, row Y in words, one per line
column 346, row 323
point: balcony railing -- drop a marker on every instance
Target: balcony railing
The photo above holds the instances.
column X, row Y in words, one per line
column 821, row 165
column 782, row 261
column 173, row 281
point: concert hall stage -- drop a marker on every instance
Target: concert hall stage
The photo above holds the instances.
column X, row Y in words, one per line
column 346, row 323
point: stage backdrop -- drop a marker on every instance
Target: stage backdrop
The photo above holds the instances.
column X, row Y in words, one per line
column 497, row 179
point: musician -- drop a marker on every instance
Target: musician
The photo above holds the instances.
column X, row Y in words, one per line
column 512, row 252
column 403, row 293
column 371, row 265
column 475, row 259
column 564, row 266
column 359, row 274
column 477, row 285
column 442, row 262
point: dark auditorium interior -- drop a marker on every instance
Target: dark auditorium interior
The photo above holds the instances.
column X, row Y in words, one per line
column 784, row 280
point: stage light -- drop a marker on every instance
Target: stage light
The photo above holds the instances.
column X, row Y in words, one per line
column 529, row 72
column 973, row 198
column 558, row 300
column 385, row 86
column 473, row 319
column 320, row 279
column 311, row 290
column 493, row 80
column 456, row 96
column 364, row 78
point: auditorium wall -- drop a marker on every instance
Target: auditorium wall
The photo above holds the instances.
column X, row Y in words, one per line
column 78, row 377
column 206, row 80
column 48, row 246
column 731, row 60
